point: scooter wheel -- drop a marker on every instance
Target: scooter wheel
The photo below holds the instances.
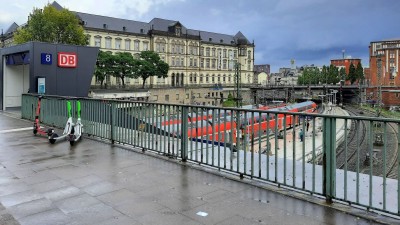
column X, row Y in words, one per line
column 50, row 132
column 34, row 131
column 52, row 139
column 71, row 143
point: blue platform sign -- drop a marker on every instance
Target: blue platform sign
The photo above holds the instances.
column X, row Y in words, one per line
column 46, row 58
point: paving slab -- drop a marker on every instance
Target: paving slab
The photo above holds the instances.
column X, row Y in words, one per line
column 94, row 182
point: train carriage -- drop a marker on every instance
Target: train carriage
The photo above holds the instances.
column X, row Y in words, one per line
column 203, row 128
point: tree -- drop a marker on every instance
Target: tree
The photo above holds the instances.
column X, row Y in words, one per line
column 333, row 75
column 352, row 76
column 123, row 66
column 103, row 64
column 309, row 76
column 230, row 102
column 324, row 75
column 53, row 26
column 149, row 64
column 342, row 74
column 359, row 72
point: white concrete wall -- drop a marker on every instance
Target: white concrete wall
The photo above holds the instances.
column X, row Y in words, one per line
column 16, row 82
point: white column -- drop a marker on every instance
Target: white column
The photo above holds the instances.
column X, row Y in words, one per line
column 387, row 61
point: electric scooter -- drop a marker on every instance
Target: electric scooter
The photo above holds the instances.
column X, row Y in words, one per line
column 37, row 129
column 77, row 130
column 53, row 137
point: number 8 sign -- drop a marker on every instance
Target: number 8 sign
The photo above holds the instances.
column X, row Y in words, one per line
column 46, row 58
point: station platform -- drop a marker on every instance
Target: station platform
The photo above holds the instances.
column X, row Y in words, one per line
column 94, row 182
column 310, row 136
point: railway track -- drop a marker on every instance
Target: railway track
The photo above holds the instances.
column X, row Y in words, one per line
column 358, row 144
column 356, row 140
column 392, row 172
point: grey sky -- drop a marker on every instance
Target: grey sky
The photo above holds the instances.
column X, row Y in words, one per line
column 309, row 31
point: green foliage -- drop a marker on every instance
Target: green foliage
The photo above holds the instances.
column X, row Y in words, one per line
column 52, row 26
column 230, row 102
column 310, row 76
column 104, row 63
column 313, row 76
column 360, row 72
column 149, row 64
column 342, row 74
column 352, row 76
column 124, row 66
column 333, row 75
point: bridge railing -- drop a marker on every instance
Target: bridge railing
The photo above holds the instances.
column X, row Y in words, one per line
column 313, row 153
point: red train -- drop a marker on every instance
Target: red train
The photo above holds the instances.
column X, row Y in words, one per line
column 250, row 123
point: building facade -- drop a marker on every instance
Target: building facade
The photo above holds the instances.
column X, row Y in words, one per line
column 388, row 53
column 196, row 58
column 345, row 63
column 383, row 71
column 261, row 74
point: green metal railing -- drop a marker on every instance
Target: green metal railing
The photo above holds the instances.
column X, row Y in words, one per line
column 326, row 163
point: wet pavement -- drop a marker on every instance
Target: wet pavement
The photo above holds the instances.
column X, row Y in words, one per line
column 94, row 182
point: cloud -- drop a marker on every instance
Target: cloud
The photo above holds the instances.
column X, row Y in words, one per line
column 132, row 9
column 310, row 31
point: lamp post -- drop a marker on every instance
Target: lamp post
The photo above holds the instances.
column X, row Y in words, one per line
column 238, row 99
column 341, row 92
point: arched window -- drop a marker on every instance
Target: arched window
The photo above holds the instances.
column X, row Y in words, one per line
column 173, row 80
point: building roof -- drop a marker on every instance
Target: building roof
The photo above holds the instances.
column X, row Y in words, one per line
column 11, row 29
column 123, row 25
column 113, row 24
column 57, row 6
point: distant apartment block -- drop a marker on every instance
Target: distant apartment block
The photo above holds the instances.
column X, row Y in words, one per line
column 388, row 53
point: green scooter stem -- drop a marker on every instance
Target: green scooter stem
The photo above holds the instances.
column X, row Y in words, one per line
column 78, row 107
column 69, row 108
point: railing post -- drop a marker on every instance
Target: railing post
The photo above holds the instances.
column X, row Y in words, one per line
column 329, row 158
column 184, row 133
column 112, row 119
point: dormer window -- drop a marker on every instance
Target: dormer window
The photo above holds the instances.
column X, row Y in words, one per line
column 221, row 41
column 141, row 31
column 124, row 28
column 105, row 26
column 209, row 39
column 178, row 31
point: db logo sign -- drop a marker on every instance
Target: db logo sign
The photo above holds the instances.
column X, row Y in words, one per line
column 67, row 59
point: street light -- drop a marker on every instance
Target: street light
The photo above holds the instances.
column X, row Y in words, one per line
column 238, row 83
column 341, row 93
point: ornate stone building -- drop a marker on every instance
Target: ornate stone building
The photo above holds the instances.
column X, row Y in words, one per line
column 196, row 58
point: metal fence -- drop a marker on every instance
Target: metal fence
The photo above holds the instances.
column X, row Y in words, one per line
column 341, row 157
